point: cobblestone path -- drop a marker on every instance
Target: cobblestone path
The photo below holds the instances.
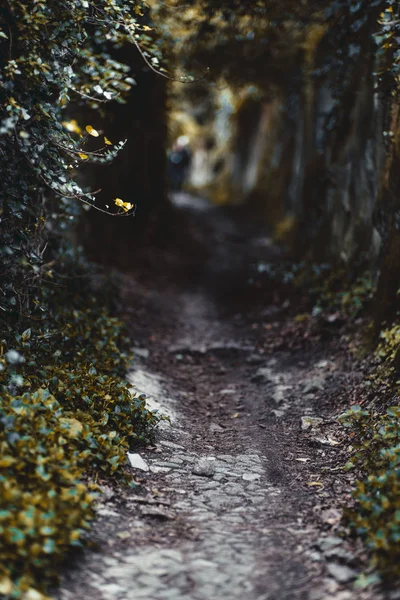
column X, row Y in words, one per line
column 241, row 494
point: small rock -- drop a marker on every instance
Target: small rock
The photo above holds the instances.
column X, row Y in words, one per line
column 216, row 428
column 103, row 511
column 280, row 393
column 322, row 364
column 112, row 588
column 332, row 516
column 157, row 512
column 203, row 468
column 254, row 359
column 327, row 543
column 155, row 469
column 251, row 476
column 262, row 375
column 339, row 553
column 142, row 352
column 308, row 423
column 137, row 462
column 228, row 392
column 327, row 441
column 106, row 492
column 173, row 464
column 315, row 556
column 341, row 573
column 314, row 385
column 110, row 561
column 171, row 445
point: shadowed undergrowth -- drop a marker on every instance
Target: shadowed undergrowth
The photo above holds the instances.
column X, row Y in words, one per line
column 66, row 413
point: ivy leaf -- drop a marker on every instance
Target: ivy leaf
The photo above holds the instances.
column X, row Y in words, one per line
column 92, row 131
column 26, row 335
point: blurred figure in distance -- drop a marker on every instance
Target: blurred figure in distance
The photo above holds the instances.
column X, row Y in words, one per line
column 179, row 160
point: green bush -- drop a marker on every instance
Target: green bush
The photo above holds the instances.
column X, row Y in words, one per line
column 331, row 288
column 376, row 517
column 44, row 505
column 389, row 344
column 65, row 412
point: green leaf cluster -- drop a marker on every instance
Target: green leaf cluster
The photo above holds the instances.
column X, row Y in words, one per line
column 54, row 54
column 65, row 412
column 389, row 344
column 376, row 455
column 333, row 289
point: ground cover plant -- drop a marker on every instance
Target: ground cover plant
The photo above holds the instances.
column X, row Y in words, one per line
column 376, row 457
column 66, row 414
column 375, row 424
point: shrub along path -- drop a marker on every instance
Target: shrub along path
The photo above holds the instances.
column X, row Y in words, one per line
column 244, row 488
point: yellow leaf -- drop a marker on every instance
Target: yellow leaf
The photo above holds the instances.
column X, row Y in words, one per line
column 146, row 28
column 72, row 126
column 127, row 206
column 107, row 141
column 314, row 483
column 83, row 156
column 119, row 202
column 75, row 535
column 33, row 594
column 6, row 586
column 7, row 461
column 92, row 131
column 73, row 426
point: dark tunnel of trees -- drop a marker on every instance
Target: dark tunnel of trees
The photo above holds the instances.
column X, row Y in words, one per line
column 93, row 97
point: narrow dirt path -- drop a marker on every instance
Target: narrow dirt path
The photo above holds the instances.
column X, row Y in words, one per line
column 242, row 495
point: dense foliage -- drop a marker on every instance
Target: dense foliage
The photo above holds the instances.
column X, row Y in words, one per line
column 65, row 410
column 261, row 43
column 52, row 53
column 376, row 517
